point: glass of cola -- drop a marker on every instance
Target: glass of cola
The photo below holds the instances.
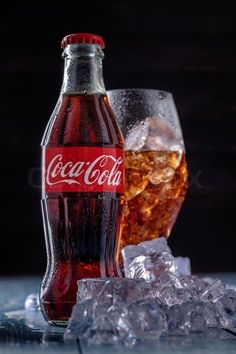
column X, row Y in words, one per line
column 155, row 163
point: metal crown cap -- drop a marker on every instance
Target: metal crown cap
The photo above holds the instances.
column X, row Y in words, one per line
column 77, row 38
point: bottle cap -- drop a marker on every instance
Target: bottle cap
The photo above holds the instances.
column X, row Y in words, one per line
column 83, row 38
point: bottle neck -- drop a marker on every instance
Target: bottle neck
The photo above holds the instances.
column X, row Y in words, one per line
column 83, row 70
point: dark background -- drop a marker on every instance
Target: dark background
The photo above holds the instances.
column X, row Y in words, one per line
column 188, row 50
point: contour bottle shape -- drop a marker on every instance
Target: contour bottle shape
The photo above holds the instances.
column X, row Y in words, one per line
column 82, row 182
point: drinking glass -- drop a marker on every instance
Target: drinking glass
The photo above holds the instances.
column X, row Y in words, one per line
column 155, row 164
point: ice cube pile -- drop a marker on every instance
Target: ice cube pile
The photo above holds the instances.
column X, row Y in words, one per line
column 157, row 297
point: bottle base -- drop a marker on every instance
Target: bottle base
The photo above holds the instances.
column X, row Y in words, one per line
column 58, row 323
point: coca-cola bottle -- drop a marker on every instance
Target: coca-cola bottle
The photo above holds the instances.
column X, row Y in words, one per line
column 83, row 180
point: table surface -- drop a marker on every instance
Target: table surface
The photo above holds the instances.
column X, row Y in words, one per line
column 27, row 332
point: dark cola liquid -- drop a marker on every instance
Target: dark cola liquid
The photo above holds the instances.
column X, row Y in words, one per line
column 82, row 229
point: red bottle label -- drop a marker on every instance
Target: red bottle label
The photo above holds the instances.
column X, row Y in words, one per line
column 83, row 169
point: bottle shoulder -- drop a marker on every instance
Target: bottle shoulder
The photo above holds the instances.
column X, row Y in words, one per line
column 83, row 120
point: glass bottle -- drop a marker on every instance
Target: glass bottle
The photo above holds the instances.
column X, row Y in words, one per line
column 83, row 180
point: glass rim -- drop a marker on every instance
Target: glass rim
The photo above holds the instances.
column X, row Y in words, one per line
column 141, row 89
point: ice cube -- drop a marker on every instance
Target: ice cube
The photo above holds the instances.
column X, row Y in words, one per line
column 129, row 253
column 171, row 295
column 138, row 184
column 208, row 280
column 124, row 327
column 88, row 288
column 32, row 302
column 150, row 267
column 137, row 135
column 167, row 279
column 210, row 315
column 195, row 285
column 169, row 290
column 156, row 246
column 161, row 135
column 111, row 291
column 103, row 331
column 147, row 319
column 197, row 318
column 148, row 259
column 214, row 291
column 182, row 266
column 163, row 175
column 185, row 318
column 121, row 291
column 154, row 133
column 178, row 322
column 229, row 301
column 81, row 319
column 111, row 330
column 222, row 314
column 225, row 307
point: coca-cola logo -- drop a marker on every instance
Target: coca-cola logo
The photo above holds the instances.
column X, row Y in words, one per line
column 83, row 169
column 90, row 172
